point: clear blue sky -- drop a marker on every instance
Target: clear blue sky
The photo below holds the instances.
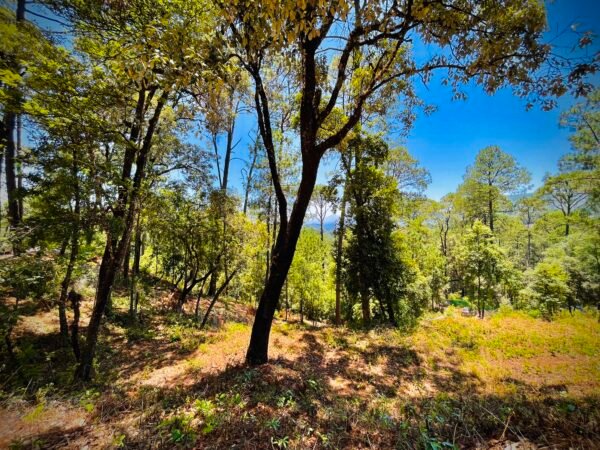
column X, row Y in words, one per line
column 447, row 141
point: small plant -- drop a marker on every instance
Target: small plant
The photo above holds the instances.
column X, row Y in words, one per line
column 88, row 400
column 119, row 440
column 179, row 429
column 280, row 442
column 273, row 424
column 208, row 412
column 286, row 400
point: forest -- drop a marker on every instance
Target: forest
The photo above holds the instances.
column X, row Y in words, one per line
column 213, row 233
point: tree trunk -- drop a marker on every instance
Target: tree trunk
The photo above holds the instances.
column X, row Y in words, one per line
column 338, row 260
column 135, row 270
column 11, row 180
column 12, row 107
column 19, row 165
column 283, row 253
column 115, row 249
column 491, row 208
column 64, row 329
column 366, row 308
column 216, row 297
column 249, row 177
column 126, row 265
column 75, row 302
column 64, row 288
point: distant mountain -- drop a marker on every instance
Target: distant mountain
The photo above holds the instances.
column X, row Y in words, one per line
column 328, row 226
column 516, row 197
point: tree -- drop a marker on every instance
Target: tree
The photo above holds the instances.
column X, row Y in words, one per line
column 308, row 282
column 12, row 102
column 566, row 192
column 373, row 265
column 530, row 210
column 496, row 173
column 550, row 283
column 322, row 205
column 145, row 80
column 482, row 260
column 370, row 65
column 584, row 120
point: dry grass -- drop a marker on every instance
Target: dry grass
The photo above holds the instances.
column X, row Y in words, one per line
column 454, row 382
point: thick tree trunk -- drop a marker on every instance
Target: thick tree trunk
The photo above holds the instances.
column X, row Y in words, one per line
column 366, row 308
column 283, row 253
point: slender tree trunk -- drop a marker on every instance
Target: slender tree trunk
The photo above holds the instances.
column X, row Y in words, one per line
column 75, row 302
column 528, row 247
column 339, row 259
column 12, row 108
column 268, row 256
column 116, row 247
column 11, row 180
column 135, row 270
column 19, row 165
column 62, row 301
column 216, row 297
column 479, row 304
column 2, row 145
column 249, row 177
column 491, row 208
column 12, row 320
column 126, row 265
column 287, row 299
column 64, row 328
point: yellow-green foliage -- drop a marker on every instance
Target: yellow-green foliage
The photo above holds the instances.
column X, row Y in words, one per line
column 491, row 348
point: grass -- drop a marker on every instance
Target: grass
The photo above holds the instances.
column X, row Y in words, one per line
column 512, row 346
column 453, row 382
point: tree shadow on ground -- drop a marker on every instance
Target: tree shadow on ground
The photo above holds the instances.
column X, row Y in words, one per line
column 323, row 396
column 292, row 400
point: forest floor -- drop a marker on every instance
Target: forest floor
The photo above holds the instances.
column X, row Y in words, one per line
column 506, row 382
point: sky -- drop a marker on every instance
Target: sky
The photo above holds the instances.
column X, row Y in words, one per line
column 447, row 141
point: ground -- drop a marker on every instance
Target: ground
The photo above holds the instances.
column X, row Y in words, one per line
column 508, row 381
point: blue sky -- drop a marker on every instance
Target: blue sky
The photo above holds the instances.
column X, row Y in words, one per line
column 447, row 141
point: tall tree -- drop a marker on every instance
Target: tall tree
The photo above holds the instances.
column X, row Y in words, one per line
column 12, row 101
column 566, row 192
column 147, row 53
column 496, row 173
column 370, row 62
column 322, row 205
